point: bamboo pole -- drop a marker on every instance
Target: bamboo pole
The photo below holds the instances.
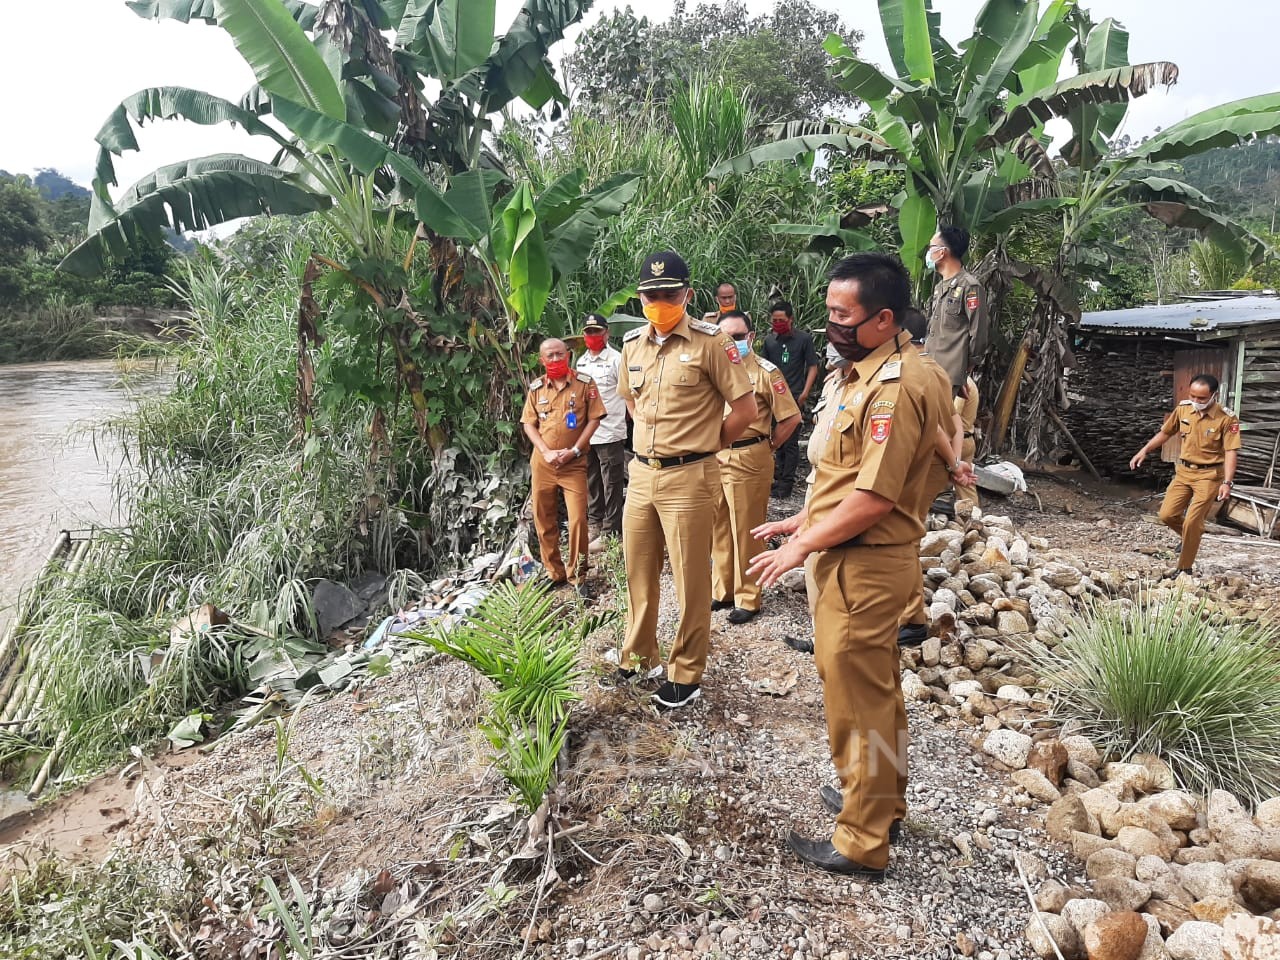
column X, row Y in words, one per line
column 46, row 768
column 1008, row 396
column 9, row 645
column 1071, row 442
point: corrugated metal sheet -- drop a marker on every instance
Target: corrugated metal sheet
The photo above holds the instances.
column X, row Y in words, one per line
column 1187, row 317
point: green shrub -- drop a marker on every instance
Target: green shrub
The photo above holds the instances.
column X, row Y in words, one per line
column 1172, row 677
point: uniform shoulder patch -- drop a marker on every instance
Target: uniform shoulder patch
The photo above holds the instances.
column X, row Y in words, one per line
column 971, row 297
column 710, row 329
column 536, row 384
column 766, row 365
column 1183, row 403
column 633, row 334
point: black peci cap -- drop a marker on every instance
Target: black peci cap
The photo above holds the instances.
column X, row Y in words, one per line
column 665, row 270
column 594, row 321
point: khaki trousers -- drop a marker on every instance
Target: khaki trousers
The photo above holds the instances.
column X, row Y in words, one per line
column 745, row 477
column 1187, row 503
column 669, row 508
column 547, row 482
column 967, row 494
column 939, row 479
column 861, row 592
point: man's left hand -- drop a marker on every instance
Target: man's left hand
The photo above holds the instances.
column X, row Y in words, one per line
column 769, row 566
column 1224, row 491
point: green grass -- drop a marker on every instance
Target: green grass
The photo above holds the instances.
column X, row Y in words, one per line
column 1175, row 678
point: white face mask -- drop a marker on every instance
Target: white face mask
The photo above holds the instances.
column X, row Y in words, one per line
column 1202, row 407
column 930, row 261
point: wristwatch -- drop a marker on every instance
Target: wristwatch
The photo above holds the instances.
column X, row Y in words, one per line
column 1229, row 483
column 576, row 453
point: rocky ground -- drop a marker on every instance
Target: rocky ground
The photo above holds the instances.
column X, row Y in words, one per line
column 670, row 829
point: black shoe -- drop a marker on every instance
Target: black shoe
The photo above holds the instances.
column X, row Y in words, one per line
column 741, row 615
column 823, row 855
column 912, row 634
column 672, row 695
column 721, row 604
column 783, row 492
column 833, row 800
column 622, row 678
column 803, row 646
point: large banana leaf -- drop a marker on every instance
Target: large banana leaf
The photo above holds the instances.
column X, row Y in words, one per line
column 166, row 103
column 281, row 55
column 521, row 251
column 1106, row 48
column 1117, row 85
column 456, row 35
column 1221, row 126
column 917, row 223
column 1041, row 61
column 1012, row 214
column 191, row 195
column 1177, row 204
column 828, row 237
column 793, row 148
column 464, row 211
column 1002, row 31
column 570, row 237
column 187, row 10
column 906, row 34
column 864, row 80
column 367, row 154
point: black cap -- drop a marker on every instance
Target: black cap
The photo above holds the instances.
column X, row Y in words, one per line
column 665, row 270
column 593, row 321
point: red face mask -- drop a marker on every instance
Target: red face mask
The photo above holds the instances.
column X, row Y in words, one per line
column 781, row 327
column 596, row 341
column 557, row 369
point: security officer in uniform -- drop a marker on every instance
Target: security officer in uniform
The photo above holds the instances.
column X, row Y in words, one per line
column 746, row 474
column 862, row 523
column 561, row 412
column 1206, row 463
column 677, row 375
column 958, row 308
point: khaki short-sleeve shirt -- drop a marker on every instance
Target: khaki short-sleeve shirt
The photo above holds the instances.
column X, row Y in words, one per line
column 1206, row 437
column 958, row 321
column 773, row 396
column 549, row 404
column 880, row 439
column 679, row 387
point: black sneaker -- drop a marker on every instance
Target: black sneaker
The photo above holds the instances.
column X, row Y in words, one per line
column 672, row 695
column 721, row 604
column 912, row 634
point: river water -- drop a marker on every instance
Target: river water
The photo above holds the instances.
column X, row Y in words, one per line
column 55, row 473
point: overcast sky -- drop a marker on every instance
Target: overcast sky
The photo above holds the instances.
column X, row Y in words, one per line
column 62, row 75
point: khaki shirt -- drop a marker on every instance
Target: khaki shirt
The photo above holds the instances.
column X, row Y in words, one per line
column 549, row 403
column 957, row 336
column 773, row 396
column 1206, row 437
column 881, row 439
column 823, row 410
column 967, row 407
column 679, row 387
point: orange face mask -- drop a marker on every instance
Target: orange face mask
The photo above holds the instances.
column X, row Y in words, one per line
column 664, row 316
column 732, row 306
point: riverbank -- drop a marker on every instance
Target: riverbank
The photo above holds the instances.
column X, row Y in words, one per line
column 78, row 332
column 381, row 803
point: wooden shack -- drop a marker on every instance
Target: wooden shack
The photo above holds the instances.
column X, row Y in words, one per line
column 1133, row 366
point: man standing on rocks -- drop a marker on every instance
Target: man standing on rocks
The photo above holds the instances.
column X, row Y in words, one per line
column 792, row 352
column 678, row 374
column 602, row 363
column 746, row 473
column 561, row 412
column 1206, row 463
column 863, row 525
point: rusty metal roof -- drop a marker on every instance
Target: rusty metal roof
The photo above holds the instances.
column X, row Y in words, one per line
column 1196, row 317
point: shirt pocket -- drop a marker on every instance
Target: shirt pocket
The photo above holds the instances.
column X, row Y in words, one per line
column 635, row 380
column 686, row 376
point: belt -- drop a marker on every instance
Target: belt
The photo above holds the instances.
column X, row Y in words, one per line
column 747, row 443
column 1200, row 466
column 660, row 463
column 968, row 436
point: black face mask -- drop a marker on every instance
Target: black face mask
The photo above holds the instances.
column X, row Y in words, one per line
column 844, row 340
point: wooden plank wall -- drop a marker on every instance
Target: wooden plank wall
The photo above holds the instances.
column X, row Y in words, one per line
column 1260, row 403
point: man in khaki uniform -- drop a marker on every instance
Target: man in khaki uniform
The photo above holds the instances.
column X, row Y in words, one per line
column 958, row 308
column 967, row 407
column 677, row 375
column 862, row 523
column 1206, row 463
column 561, row 412
column 746, row 474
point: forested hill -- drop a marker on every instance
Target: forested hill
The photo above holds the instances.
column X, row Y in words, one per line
column 1244, row 180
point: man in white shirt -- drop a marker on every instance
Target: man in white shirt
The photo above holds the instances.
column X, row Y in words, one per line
column 605, row 459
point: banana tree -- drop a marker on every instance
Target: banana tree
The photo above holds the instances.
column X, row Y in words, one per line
column 941, row 116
